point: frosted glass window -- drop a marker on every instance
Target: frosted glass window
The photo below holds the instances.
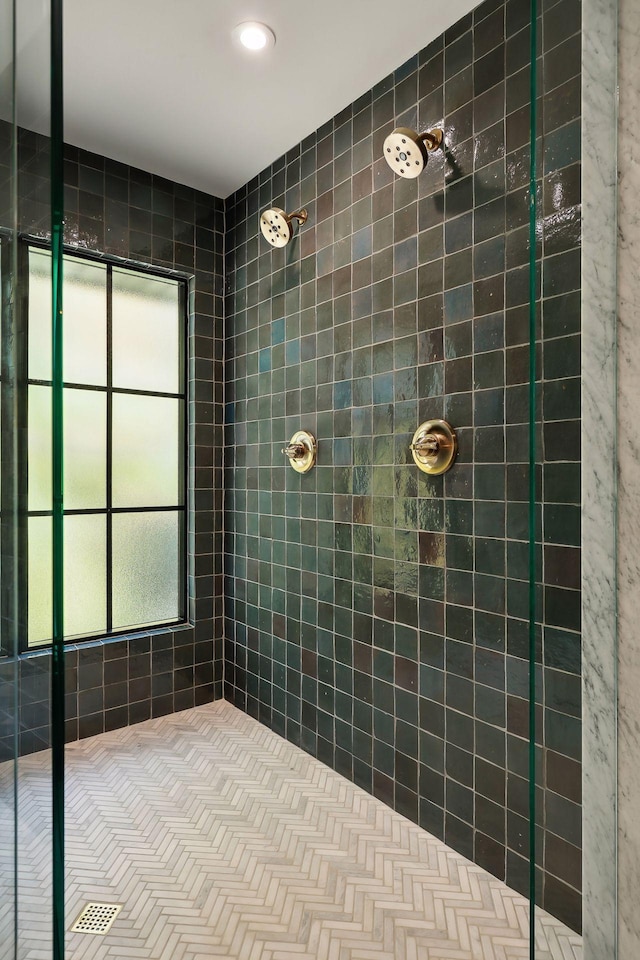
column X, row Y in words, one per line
column 146, row 461
column 124, row 448
column 85, row 579
column 146, row 332
column 85, row 575
column 146, row 555
column 39, row 448
column 85, row 453
column 39, row 580
column 85, row 449
column 39, row 351
column 85, row 319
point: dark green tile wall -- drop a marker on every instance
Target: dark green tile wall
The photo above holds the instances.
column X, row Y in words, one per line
column 376, row 616
column 137, row 218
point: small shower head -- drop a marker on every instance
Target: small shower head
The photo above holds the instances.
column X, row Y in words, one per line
column 406, row 151
column 276, row 225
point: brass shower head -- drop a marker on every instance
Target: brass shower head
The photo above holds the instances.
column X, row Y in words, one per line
column 276, row 225
column 407, row 152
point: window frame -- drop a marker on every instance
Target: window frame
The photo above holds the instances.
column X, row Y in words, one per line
column 26, row 243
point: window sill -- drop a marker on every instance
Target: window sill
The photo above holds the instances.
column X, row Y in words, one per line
column 177, row 627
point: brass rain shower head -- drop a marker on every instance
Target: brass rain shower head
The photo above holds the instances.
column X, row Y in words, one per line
column 407, row 152
column 276, row 225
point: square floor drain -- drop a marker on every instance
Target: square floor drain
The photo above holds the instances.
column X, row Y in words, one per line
column 96, row 918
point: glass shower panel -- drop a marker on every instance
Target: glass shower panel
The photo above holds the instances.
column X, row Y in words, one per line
column 26, row 909
column 9, row 667
column 499, row 542
column 555, row 579
column 530, row 168
column 38, row 161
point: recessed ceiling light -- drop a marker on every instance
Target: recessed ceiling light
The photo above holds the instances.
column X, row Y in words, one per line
column 254, row 36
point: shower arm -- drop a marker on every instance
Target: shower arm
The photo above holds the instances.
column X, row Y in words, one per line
column 432, row 138
column 299, row 215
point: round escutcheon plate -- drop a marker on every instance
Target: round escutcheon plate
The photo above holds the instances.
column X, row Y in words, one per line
column 434, row 447
column 309, row 449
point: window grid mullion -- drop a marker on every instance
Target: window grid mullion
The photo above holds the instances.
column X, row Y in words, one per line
column 92, row 387
column 98, row 511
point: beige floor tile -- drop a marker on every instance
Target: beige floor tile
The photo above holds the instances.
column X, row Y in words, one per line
column 221, row 839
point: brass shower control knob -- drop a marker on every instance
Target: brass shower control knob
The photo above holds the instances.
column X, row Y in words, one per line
column 434, row 447
column 301, row 451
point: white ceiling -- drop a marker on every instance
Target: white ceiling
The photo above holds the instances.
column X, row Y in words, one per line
column 159, row 84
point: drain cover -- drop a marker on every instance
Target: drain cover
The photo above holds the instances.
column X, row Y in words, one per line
column 96, row 918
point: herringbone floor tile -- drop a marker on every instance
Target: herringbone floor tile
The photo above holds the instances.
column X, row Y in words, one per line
column 221, row 839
